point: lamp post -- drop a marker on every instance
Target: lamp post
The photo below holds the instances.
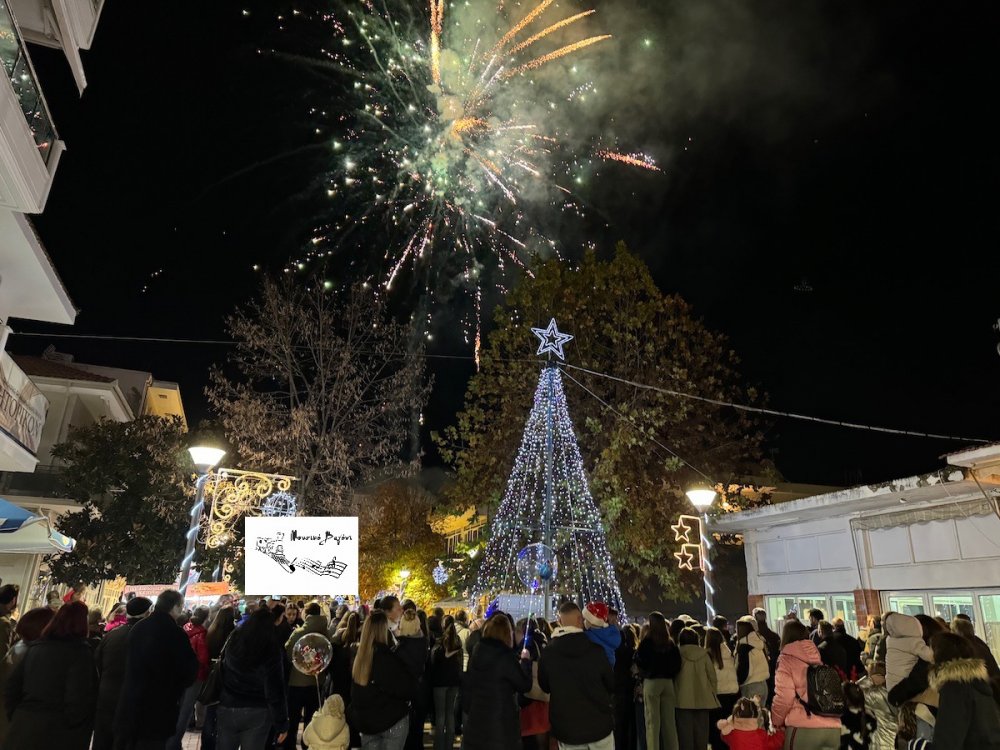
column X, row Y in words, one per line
column 404, row 576
column 702, row 496
column 204, row 458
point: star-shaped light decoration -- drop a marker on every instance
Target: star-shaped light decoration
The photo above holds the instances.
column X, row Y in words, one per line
column 552, row 340
column 687, row 556
column 684, row 526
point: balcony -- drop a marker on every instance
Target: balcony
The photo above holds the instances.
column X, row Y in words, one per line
column 29, row 144
column 43, row 482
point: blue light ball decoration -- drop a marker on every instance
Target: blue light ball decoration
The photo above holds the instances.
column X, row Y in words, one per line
column 279, row 504
column 492, row 608
column 537, row 565
column 440, row 574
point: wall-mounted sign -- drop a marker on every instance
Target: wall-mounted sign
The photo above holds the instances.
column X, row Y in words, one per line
column 302, row 555
column 22, row 405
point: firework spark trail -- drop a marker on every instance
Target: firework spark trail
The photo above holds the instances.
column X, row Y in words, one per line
column 437, row 26
column 635, row 160
column 561, row 52
column 554, row 27
column 516, row 28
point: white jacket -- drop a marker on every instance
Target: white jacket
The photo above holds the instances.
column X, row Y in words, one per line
column 904, row 647
column 726, row 677
column 462, row 631
column 759, row 669
column 328, row 729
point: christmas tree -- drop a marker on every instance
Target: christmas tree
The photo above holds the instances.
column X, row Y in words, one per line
column 548, row 501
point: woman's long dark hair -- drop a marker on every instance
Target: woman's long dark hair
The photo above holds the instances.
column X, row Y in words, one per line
column 256, row 641
column 792, row 632
column 219, row 630
column 714, row 643
column 658, row 634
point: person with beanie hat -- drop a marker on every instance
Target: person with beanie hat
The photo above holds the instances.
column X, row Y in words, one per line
column 597, row 629
column 328, row 728
column 110, row 660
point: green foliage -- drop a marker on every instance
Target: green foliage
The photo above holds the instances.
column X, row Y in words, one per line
column 624, row 327
column 133, row 480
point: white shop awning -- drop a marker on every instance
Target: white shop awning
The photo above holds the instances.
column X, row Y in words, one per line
column 24, row 532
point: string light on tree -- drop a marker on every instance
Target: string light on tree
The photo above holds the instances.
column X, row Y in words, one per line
column 548, row 501
column 440, row 574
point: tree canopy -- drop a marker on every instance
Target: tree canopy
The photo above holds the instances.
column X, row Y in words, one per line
column 133, row 480
column 635, row 444
column 321, row 385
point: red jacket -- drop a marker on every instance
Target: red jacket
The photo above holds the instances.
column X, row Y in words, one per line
column 744, row 734
column 199, row 644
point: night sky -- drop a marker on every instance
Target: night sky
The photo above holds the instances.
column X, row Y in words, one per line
column 827, row 201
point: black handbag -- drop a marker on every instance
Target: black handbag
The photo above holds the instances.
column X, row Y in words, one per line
column 211, row 690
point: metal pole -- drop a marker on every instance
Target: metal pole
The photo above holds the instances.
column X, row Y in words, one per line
column 192, row 535
column 547, row 513
column 706, row 570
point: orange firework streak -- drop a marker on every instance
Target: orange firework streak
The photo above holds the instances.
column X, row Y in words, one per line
column 554, row 27
column 437, row 25
column 467, row 125
column 561, row 52
column 636, row 161
column 538, row 10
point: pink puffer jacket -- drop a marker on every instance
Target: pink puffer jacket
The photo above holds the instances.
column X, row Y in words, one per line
column 789, row 680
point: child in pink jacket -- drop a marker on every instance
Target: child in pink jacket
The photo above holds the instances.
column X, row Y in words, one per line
column 787, row 712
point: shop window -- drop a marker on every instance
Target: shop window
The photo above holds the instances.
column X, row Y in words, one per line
column 947, row 606
column 907, row 605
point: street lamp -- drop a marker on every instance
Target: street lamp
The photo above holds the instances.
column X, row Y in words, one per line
column 702, row 496
column 205, row 458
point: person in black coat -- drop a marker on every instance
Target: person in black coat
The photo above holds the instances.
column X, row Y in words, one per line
column 254, row 703
column 578, row 677
column 967, row 716
column 444, row 676
column 412, row 647
column 50, row 696
column 831, row 651
column 161, row 666
column 491, row 718
column 110, row 660
column 382, row 687
column 852, row 651
column 624, row 696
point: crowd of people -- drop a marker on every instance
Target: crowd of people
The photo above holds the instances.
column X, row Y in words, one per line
column 147, row 673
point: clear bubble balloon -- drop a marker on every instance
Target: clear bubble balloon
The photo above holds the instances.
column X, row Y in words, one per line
column 537, row 565
column 311, row 654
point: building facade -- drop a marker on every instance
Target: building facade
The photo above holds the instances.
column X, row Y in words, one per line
column 78, row 395
column 928, row 543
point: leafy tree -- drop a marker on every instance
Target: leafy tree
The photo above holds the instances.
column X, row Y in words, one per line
column 395, row 535
column 624, row 328
column 322, row 388
column 133, row 480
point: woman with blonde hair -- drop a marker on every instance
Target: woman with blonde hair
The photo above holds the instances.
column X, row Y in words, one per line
column 381, row 688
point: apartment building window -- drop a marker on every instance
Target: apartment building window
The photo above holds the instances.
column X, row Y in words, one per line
column 17, row 66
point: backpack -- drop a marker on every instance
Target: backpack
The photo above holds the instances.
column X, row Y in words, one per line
column 824, row 691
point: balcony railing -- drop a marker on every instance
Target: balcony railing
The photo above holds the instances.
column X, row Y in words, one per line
column 17, row 67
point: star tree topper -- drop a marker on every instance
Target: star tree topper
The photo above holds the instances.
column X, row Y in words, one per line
column 552, row 340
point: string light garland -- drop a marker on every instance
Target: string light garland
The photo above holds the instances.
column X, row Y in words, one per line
column 440, row 574
column 574, row 529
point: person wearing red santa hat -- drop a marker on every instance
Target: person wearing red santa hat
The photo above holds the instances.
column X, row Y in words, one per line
column 597, row 629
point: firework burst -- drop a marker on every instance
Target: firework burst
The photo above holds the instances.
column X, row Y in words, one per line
column 446, row 141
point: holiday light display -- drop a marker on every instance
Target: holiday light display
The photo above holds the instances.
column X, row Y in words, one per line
column 548, row 501
column 696, row 555
column 440, row 574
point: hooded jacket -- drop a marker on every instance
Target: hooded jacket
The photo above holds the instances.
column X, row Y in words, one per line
column 968, row 717
column 746, row 734
column 751, row 659
column 385, row 700
column 328, row 728
column 904, row 647
column 312, row 624
column 577, row 676
column 489, row 687
column 696, row 683
column 790, row 687
column 609, row 638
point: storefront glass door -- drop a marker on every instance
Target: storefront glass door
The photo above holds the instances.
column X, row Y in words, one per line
column 990, row 606
column 948, row 606
column 907, row 605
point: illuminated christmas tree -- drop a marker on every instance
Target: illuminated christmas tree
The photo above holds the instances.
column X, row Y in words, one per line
column 548, row 501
